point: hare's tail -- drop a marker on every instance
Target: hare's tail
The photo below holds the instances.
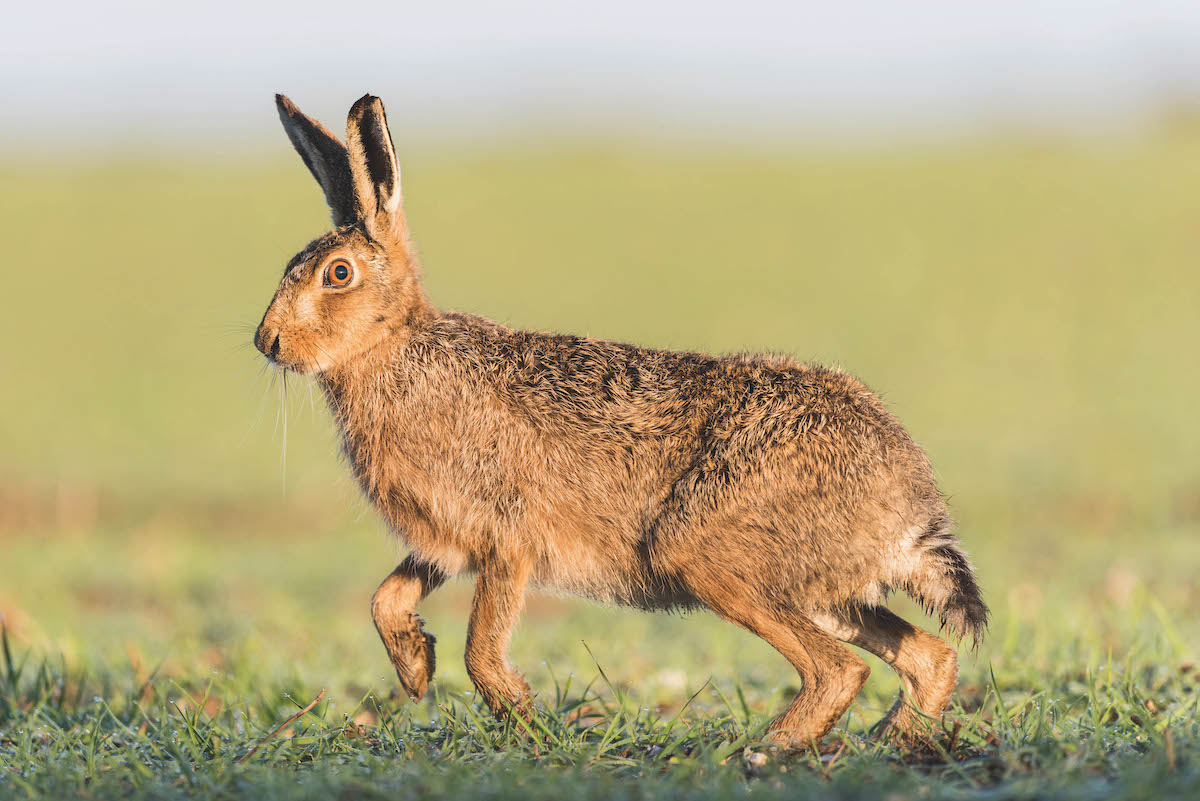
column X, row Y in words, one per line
column 943, row 581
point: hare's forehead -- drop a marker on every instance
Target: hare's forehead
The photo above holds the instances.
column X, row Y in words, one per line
column 335, row 242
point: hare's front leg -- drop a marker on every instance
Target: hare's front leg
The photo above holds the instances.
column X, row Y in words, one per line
column 499, row 597
column 408, row 646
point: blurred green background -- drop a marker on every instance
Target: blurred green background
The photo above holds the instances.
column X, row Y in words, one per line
column 1026, row 304
column 989, row 212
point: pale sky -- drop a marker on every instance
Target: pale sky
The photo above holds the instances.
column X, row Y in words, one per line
column 166, row 74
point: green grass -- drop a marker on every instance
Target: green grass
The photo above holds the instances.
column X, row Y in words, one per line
column 173, row 586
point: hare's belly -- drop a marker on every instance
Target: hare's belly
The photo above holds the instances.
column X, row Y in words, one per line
column 614, row 572
column 581, row 571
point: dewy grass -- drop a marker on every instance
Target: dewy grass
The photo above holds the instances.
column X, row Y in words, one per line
column 116, row 734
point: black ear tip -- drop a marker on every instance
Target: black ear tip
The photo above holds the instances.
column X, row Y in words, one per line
column 363, row 103
column 284, row 104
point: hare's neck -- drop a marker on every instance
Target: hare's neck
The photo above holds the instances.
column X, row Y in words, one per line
column 364, row 394
column 360, row 389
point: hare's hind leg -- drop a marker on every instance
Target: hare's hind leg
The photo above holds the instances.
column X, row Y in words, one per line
column 927, row 666
column 408, row 646
column 831, row 674
column 499, row 596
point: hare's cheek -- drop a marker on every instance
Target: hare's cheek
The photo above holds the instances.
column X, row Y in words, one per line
column 304, row 310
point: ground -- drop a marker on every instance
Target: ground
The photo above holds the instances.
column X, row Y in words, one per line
column 184, row 565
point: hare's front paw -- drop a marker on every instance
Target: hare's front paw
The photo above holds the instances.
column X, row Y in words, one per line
column 507, row 695
column 411, row 651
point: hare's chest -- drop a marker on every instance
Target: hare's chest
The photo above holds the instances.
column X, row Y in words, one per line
column 449, row 514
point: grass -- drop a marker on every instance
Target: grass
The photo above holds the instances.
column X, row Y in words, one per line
column 150, row 662
column 1080, row 737
column 173, row 588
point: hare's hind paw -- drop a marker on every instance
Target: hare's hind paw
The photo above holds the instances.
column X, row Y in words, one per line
column 906, row 728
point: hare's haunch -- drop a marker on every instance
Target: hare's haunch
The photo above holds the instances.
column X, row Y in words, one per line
column 782, row 496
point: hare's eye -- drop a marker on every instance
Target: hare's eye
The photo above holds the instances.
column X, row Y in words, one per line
column 338, row 273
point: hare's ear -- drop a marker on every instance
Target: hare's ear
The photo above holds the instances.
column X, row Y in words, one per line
column 325, row 158
column 374, row 167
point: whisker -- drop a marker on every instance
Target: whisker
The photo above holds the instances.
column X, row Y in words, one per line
column 262, row 403
column 324, row 351
column 239, row 328
column 283, row 453
column 278, row 410
column 312, row 409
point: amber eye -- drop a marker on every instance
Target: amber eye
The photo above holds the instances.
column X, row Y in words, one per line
column 338, row 273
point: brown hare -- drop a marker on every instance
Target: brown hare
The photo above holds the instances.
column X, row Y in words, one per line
column 783, row 497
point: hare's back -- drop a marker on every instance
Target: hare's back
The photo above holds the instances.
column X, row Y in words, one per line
column 806, row 481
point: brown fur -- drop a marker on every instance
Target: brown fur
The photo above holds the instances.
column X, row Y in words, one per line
column 782, row 496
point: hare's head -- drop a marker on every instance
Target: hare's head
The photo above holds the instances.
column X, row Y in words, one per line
column 350, row 288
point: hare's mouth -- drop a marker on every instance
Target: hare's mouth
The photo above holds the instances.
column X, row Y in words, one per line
column 287, row 365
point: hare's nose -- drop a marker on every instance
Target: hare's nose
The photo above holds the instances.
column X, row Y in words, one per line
column 267, row 341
